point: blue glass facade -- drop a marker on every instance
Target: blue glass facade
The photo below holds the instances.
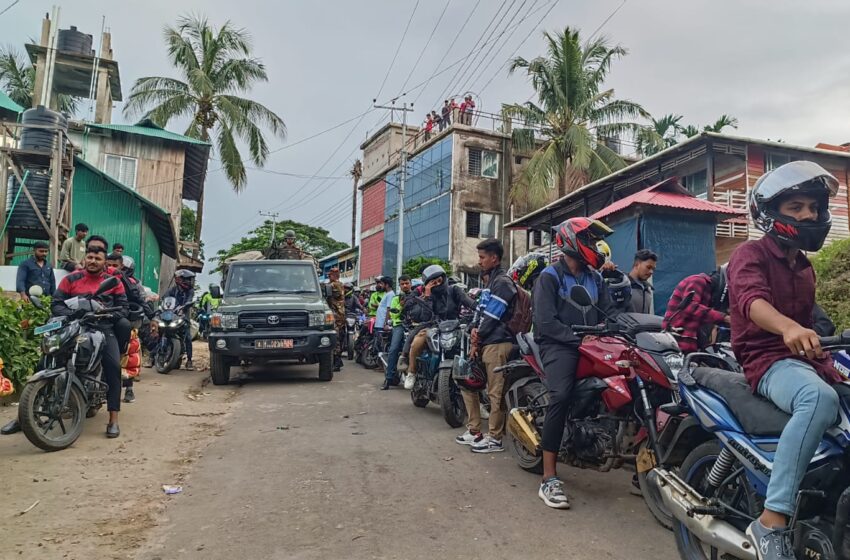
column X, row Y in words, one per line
column 427, row 203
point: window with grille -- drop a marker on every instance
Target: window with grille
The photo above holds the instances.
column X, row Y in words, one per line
column 483, row 163
column 480, row 224
column 122, row 169
column 474, row 162
column 536, row 238
column 772, row 161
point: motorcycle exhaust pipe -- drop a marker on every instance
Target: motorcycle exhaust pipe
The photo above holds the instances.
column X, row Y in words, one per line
column 521, row 426
column 687, row 506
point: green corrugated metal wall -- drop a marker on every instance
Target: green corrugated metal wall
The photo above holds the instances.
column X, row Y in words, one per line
column 117, row 216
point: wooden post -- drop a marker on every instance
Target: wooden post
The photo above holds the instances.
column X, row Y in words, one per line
column 4, row 187
column 709, row 171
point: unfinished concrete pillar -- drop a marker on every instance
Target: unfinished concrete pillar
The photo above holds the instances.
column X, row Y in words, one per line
column 103, row 95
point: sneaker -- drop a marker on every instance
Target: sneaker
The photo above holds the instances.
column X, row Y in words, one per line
column 469, row 438
column 488, row 444
column 409, row 381
column 771, row 544
column 129, row 395
column 552, row 493
column 402, row 365
column 189, row 366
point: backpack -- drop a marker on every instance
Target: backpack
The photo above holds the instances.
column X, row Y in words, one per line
column 521, row 313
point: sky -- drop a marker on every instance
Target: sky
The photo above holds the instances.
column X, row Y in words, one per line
column 780, row 67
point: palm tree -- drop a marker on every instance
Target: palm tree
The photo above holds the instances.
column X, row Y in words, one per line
column 658, row 135
column 17, row 78
column 721, row 123
column 573, row 117
column 215, row 64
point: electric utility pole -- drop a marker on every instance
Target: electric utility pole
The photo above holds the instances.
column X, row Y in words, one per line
column 273, row 216
column 404, row 110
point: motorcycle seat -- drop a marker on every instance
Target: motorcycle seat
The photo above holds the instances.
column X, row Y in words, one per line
column 757, row 415
column 527, row 347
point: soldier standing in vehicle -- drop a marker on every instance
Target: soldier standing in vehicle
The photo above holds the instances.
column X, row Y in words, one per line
column 336, row 301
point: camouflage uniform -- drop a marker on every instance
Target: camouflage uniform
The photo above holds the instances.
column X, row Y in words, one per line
column 337, row 304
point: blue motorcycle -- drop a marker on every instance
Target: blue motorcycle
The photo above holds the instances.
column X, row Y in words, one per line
column 720, row 488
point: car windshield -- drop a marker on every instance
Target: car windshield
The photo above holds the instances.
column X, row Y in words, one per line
column 271, row 279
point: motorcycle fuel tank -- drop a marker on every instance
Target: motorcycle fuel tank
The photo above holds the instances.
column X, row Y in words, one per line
column 597, row 357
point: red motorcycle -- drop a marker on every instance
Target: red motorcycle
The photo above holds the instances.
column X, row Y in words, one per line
column 627, row 369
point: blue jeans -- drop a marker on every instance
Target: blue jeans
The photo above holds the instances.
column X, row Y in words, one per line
column 187, row 343
column 396, row 343
column 796, row 388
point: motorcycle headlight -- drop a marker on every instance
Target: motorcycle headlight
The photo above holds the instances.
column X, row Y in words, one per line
column 224, row 321
column 675, row 362
column 174, row 324
column 448, row 340
column 160, row 324
column 51, row 343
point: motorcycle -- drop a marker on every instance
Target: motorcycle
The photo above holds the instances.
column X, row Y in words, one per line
column 171, row 323
column 370, row 343
column 203, row 318
column 627, row 369
column 352, row 327
column 56, row 399
column 721, row 485
column 446, row 341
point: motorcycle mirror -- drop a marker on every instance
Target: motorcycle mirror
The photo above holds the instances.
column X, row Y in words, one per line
column 107, row 285
column 581, row 296
column 215, row 291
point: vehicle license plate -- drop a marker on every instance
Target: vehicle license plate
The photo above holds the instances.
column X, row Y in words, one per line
column 273, row 344
column 49, row 327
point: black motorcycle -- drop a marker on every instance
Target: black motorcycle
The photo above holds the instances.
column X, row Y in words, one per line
column 349, row 336
column 56, row 399
column 434, row 381
column 172, row 323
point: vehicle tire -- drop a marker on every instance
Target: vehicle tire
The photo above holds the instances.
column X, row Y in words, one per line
column 525, row 460
column 694, row 471
column 652, row 498
column 219, row 369
column 326, row 367
column 168, row 358
column 370, row 358
column 33, row 397
column 350, row 346
column 419, row 399
column 451, row 400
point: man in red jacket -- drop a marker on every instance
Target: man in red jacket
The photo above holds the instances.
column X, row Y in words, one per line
column 86, row 282
column 771, row 298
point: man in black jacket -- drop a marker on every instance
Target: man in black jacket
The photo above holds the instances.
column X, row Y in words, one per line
column 555, row 313
column 492, row 341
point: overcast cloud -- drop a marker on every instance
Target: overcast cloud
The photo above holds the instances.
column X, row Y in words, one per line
column 780, row 67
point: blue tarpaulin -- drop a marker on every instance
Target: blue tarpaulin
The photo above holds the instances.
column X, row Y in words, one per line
column 623, row 242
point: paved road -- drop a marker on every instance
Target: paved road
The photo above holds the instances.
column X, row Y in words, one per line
column 341, row 470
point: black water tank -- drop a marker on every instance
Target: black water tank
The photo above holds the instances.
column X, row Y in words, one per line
column 73, row 41
column 23, row 217
column 37, row 138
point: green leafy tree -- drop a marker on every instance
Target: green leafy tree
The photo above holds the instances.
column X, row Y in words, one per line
column 216, row 66
column 566, row 128
column 315, row 240
column 188, row 219
column 832, row 265
column 658, row 135
column 17, row 78
column 19, row 347
column 414, row 267
column 724, row 121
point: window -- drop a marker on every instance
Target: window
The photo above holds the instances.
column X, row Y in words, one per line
column 536, row 238
column 480, row 224
column 483, row 163
column 697, row 184
column 772, row 161
column 122, row 169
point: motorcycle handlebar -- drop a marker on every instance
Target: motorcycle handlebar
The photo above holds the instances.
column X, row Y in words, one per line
column 838, row 341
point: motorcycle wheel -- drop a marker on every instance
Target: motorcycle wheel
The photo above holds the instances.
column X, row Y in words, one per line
column 370, row 358
column 419, row 394
column 532, row 463
column 168, row 356
column 652, row 499
column 350, row 346
column 694, row 471
column 38, row 422
column 451, row 400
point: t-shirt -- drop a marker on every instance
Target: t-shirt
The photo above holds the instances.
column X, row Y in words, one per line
column 72, row 250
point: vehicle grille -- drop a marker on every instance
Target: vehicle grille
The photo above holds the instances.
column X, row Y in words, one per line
column 288, row 320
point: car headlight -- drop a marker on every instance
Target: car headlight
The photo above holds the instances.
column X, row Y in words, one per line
column 224, row 321
column 321, row 318
column 675, row 362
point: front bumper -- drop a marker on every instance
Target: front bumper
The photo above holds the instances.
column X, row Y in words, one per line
column 239, row 344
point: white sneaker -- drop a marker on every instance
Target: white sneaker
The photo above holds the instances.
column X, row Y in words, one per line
column 409, row 381
column 488, row 445
column 468, row 438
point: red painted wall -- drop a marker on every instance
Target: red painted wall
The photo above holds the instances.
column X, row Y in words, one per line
column 371, row 256
column 374, row 200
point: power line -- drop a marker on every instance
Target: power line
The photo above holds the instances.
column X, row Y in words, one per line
column 604, row 23
column 428, row 42
column 398, row 50
column 9, row 7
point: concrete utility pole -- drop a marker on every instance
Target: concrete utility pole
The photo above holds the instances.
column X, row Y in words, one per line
column 404, row 110
column 356, row 174
column 273, row 216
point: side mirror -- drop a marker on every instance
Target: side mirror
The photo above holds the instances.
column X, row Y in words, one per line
column 107, row 285
column 35, row 293
column 581, row 296
column 686, row 301
column 215, row 291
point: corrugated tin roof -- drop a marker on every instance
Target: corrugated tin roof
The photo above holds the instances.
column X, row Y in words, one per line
column 159, row 219
column 668, row 194
column 7, row 103
column 148, row 128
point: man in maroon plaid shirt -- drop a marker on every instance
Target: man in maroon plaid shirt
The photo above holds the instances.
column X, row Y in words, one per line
column 707, row 310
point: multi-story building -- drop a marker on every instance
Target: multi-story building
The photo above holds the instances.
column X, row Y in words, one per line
column 456, row 194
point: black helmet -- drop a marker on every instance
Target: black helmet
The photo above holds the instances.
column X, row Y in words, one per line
column 719, row 289
column 797, row 177
column 184, row 278
column 129, row 265
column 432, row 272
column 619, row 286
column 289, row 234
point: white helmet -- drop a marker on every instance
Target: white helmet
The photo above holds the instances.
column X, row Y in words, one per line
column 432, row 271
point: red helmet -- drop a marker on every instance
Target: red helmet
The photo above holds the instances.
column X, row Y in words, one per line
column 577, row 238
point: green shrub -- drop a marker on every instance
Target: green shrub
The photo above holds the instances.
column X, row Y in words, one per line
column 832, row 265
column 19, row 347
column 416, row 265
